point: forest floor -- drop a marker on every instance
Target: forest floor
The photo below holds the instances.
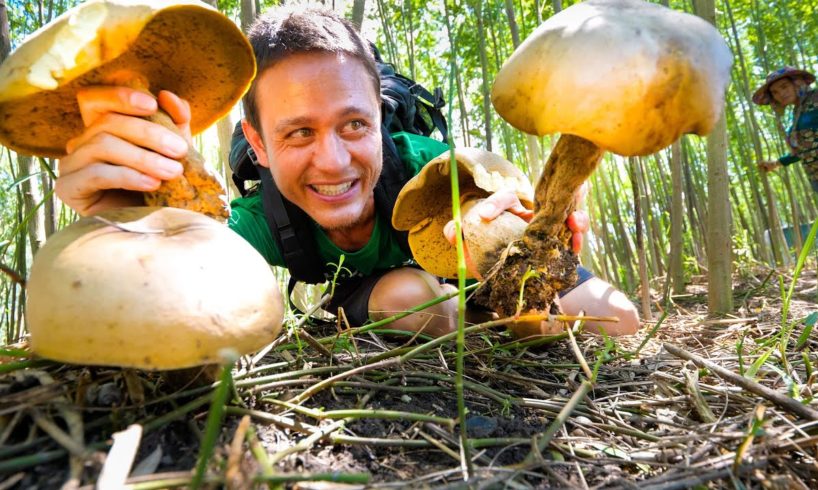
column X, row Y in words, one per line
column 653, row 417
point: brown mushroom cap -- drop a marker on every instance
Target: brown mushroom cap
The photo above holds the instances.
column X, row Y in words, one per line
column 627, row 75
column 161, row 295
column 424, row 205
column 184, row 46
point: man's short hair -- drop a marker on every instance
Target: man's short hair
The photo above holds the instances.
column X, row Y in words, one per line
column 286, row 31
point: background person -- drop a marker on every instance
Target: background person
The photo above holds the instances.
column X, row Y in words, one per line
column 785, row 87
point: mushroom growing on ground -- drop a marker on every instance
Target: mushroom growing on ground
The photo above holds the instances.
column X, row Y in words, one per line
column 145, row 287
column 424, row 206
column 624, row 76
column 151, row 288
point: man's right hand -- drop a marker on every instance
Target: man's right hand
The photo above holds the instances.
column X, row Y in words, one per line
column 768, row 165
column 120, row 154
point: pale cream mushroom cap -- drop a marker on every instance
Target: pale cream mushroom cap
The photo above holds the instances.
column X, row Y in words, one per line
column 424, row 205
column 171, row 292
column 184, row 46
column 627, row 75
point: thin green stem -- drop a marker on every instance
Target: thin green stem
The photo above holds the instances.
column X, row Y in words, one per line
column 214, row 423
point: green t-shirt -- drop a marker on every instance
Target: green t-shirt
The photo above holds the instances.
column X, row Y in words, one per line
column 381, row 252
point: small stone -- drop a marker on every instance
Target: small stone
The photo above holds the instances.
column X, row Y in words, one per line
column 479, row 426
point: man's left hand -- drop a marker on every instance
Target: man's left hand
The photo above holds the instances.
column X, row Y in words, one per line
column 494, row 205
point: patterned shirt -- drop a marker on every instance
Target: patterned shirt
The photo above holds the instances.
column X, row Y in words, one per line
column 802, row 136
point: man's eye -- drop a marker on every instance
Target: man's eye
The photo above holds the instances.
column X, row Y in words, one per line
column 356, row 125
column 300, row 133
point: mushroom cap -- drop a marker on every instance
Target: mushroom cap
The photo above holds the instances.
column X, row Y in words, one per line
column 628, row 75
column 424, row 205
column 158, row 296
column 184, row 46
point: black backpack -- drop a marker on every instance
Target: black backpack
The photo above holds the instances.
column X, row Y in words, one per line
column 406, row 106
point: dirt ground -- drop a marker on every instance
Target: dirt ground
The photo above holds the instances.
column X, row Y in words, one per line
column 652, row 418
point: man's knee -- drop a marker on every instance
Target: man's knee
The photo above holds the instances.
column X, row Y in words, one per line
column 598, row 298
column 405, row 288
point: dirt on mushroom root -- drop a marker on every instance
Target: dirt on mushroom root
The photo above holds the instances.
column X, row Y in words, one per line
column 541, row 262
column 639, row 427
column 539, row 283
column 198, row 189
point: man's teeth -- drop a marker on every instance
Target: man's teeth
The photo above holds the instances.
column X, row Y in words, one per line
column 332, row 190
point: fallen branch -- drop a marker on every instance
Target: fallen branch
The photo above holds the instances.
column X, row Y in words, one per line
column 782, row 401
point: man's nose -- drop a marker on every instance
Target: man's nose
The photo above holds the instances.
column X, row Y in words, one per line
column 331, row 153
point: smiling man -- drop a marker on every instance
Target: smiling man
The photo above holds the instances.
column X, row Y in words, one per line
column 312, row 117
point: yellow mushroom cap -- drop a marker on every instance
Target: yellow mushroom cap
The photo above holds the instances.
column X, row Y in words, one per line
column 424, row 205
column 184, row 46
column 628, row 75
column 150, row 288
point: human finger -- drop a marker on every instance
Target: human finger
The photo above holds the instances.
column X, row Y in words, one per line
column 578, row 221
column 501, row 201
column 178, row 109
column 83, row 190
column 450, row 232
column 576, row 243
column 108, row 149
column 138, row 131
column 95, row 102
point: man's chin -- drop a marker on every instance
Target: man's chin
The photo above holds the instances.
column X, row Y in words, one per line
column 337, row 221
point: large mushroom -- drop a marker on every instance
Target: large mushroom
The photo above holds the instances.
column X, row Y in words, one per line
column 624, row 76
column 150, row 288
column 183, row 46
column 145, row 287
column 424, row 207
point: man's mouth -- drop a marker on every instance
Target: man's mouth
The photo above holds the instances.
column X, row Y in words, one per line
column 332, row 190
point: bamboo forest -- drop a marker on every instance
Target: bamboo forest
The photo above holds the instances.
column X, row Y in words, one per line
column 681, row 354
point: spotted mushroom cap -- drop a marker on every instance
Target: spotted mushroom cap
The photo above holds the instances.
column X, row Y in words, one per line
column 184, row 46
column 424, row 205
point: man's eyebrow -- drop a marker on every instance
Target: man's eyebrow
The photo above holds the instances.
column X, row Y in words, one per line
column 300, row 121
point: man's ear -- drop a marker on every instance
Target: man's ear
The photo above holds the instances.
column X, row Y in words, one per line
column 256, row 142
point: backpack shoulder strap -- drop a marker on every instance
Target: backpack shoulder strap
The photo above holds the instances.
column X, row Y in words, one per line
column 291, row 232
column 393, row 177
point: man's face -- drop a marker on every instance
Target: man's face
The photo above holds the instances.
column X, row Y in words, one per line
column 784, row 91
column 320, row 136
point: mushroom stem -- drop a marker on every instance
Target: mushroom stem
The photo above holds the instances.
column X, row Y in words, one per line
column 198, row 188
column 573, row 160
column 545, row 246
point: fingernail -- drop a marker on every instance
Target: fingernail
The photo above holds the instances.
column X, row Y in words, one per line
column 449, row 230
column 149, row 183
column 170, row 168
column 487, row 209
column 143, row 101
column 174, row 144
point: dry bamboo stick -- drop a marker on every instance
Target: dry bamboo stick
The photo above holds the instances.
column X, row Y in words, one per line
column 782, row 401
